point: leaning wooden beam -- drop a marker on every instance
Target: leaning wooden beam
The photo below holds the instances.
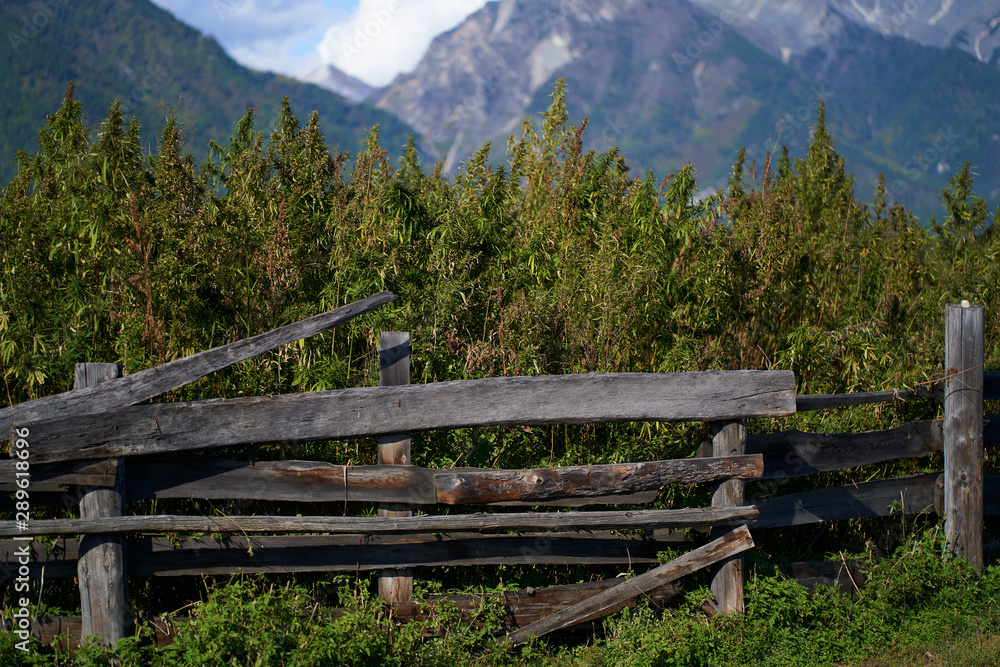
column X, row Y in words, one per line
column 370, row 411
column 795, row 453
column 313, row 481
column 152, row 382
column 524, row 606
column 913, row 495
column 558, row 521
column 730, row 544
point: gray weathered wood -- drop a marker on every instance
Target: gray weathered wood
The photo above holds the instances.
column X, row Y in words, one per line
column 729, row 439
column 354, row 553
column 295, row 481
column 152, row 382
column 963, row 432
column 58, row 557
column 805, row 402
column 795, row 453
column 101, row 564
column 641, row 498
column 558, row 521
column 491, row 486
column 394, row 586
column 81, row 473
column 853, row 501
column 162, row 556
column 314, row 481
column 362, row 412
column 728, row 545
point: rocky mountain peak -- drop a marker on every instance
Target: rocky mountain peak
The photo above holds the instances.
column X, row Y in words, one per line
column 345, row 85
column 790, row 27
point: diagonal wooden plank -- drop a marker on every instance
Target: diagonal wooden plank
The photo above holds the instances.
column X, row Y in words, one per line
column 152, row 382
column 363, row 412
column 730, row 544
column 520, row 521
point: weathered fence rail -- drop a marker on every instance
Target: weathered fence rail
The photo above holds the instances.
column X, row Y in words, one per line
column 313, row 481
column 346, row 525
column 82, row 444
column 370, row 411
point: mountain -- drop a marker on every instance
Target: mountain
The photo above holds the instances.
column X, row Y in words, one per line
column 677, row 81
column 135, row 51
column 345, row 85
column 791, row 27
column 480, row 80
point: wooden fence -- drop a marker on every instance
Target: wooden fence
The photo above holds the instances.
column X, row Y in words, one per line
column 78, row 447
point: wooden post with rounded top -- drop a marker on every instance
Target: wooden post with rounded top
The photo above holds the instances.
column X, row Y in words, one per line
column 101, row 564
column 963, row 431
column 394, row 449
column 729, row 438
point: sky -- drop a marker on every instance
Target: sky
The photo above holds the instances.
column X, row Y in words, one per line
column 373, row 40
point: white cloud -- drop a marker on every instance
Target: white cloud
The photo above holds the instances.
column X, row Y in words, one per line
column 372, row 40
column 385, row 37
column 273, row 35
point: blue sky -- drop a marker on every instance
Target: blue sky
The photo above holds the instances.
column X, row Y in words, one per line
column 371, row 39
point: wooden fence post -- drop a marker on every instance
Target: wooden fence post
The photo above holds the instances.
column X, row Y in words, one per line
column 963, row 431
column 101, row 565
column 394, row 585
column 728, row 438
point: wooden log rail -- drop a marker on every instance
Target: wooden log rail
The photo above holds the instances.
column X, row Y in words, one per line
column 908, row 495
column 352, row 413
column 522, row 521
column 807, row 402
column 796, row 453
column 785, row 454
column 160, row 556
column 275, row 554
column 312, row 481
